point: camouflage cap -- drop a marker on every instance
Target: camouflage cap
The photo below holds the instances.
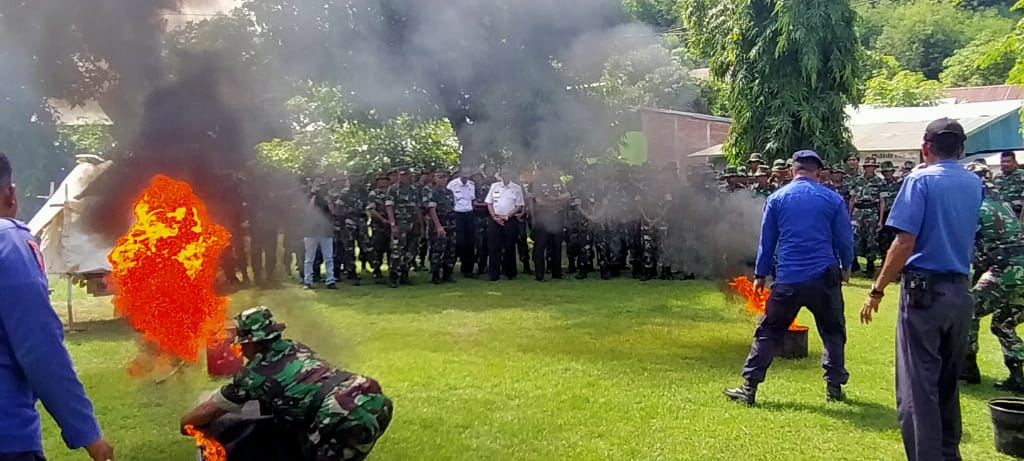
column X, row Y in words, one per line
column 762, row 170
column 741, row 171
column 779, row 165
column 980, row 161
column 887, row 167
column 852, row 155
column 870, row 162
column 789, row 162
column 755, row 157
column 908, row 165
column 839, row 168
column 977, row 168
column 256, row 324
column 729, row 172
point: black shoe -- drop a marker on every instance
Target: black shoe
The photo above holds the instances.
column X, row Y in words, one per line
column 1015, row 383
column 435, row 278
column 393, row 281
column 971, row 374
column 468, row 275
column 558, row 276
column 352, row 276
column 539, row 277
column 447, row 275
column 605, row 275
column 743, row 394
column 615, row 273
column 332, row 286
column 571, row 269
column 527, row 270
column 493, row 279
column 834, row 393
column 581, row 275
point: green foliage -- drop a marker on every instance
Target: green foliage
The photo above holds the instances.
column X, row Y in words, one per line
column 985, row 61
column 792, row 67
column 922, row 34
column 89, row 139
column 658, row 13
column 902, row 89
column 648, row 77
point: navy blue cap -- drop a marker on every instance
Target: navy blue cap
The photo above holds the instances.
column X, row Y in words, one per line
column 805, row 155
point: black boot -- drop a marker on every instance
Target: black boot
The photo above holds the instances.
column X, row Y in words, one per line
column 393, row 280
column 834, row 393
column 526, row 269
column 446, row 275
column 1015, row 383
column 582, row 274
column 404, row 278
column 647, row 274
column 605, row 274
column 746, row 393
column 572, row 267
column 971, row 374
column 870, row 269
column 435, row 278
column 666, row 273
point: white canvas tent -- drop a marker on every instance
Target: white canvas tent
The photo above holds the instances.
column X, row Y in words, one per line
column 68, row 248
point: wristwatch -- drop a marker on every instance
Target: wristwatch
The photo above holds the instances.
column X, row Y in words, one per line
column 876, row 293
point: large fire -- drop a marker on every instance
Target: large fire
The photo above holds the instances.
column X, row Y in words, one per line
column 164, row 270
column 212, row 449
column 757, row 301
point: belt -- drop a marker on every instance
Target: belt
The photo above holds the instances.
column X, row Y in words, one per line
column 864, row 206
column 939, row 277
column 464, row 212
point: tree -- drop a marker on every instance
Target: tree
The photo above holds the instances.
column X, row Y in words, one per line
column 902, row 89
column 985, row 61
column 792, row 68
column 648, row 77
column 922, row 34
column 658, row 13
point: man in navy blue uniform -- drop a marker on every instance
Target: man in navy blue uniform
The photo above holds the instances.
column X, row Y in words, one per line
column 935, row 216
column 34, row 365
column 804, row 228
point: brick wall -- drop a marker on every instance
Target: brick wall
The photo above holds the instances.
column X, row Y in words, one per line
column 672, row 136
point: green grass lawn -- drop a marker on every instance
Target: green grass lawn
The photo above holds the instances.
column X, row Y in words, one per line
column 591, row 370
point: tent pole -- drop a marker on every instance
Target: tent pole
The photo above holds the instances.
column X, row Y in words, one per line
column 71, row 312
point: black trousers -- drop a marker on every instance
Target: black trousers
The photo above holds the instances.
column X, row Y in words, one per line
column 25, row 456
column 465, row 240
column 547, row 247
column 823, row 296
column 501, row 244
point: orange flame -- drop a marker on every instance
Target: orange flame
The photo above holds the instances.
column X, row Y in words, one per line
column 212, row 449
column 164, row 270
column 757, row 302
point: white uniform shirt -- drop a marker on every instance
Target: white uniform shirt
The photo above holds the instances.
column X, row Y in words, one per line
column 464, row 194
column 505, row 198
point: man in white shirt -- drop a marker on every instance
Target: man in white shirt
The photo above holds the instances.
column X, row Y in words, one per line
column 464, row 190
column 504, row 201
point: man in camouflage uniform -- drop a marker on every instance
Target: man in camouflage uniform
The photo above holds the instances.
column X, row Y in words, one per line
column 483, row 218
column 908, row 166
column 838, row 182
column 656, row 203
column 1009, row 183
column 762, row 188
column 890, row 188
column 335, row 415
column 730, row 180
column 425, row 184
column 549, row 222
column 347, row 210
column 743, row 177
column 403, row 208
column 380, row 227
column 852, row 167
column 754, row 162
column 1000, row 247
column 580, row 247
column 440, row 205
column 867, row 209
column 779, row 173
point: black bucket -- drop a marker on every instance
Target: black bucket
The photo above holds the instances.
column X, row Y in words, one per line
column 1008, row 423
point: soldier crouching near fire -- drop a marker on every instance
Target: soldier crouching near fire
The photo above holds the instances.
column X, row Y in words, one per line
column 337, row 414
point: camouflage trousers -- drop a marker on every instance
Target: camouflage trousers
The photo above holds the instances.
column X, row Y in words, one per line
column 350, row 422
column 403, row 248
column 442, row 249
column 652, row 243
column 999, row 293
column 865, row 233
column 363, row 241
column 345, row 238
column 610, row 243
column 380, row 245
column 580, row 246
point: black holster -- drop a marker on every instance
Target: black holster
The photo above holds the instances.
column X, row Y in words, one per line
column 919, row 287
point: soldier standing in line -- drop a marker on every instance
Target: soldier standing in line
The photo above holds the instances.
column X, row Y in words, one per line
column 348, row 209
column 635, row 186
column 778, row 173
column 549, row 223
column 425, row 184
column 440, row 205
column 838, row 182
column 852, row 167
column 1000, row 245
column 867, row 209
column 1009, row 182
column 483, row 219
column 851, row 180
column 890, row 188
column 595, row 211
column 362, row 225
column 657, row 200
column 755, row 161
column 730, row 180
column 743, row 177
column 404, row 217
column 762, row 188
column 581, row 239
column 380, row 226
column 525, row 218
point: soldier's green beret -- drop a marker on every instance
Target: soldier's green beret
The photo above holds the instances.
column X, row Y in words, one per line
column 887, row 167
column 255, row 325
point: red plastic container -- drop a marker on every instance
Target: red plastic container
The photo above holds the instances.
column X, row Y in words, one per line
column 221, row 360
